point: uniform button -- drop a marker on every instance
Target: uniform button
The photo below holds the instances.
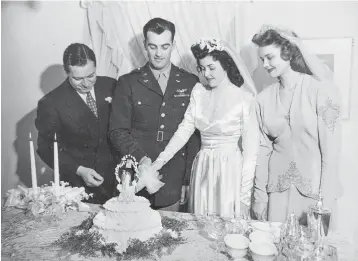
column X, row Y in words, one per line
column 183, row 104
column 163, row 115
column 162, row 126
column 163, row 104
column 183, row 154
column 139, row 103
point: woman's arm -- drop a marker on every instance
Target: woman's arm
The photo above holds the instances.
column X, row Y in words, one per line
column 261, row 172
column 250, row 144
column 328, row 120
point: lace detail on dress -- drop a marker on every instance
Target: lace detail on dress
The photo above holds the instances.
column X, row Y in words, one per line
column 329, row 112
column 293, row 176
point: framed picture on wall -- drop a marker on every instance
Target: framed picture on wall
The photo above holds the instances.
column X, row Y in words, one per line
column 337, row 54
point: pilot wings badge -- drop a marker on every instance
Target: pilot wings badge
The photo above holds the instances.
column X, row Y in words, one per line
column 181, row 93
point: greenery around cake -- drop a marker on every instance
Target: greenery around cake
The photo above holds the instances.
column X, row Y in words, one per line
column 80, row 240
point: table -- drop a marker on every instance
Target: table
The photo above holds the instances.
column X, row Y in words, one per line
column 24, row 238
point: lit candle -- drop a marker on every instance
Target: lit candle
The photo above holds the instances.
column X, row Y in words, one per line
column 33, row 164
column 55, row 166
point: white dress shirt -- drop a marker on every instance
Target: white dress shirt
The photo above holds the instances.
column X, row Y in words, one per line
column 84, row 95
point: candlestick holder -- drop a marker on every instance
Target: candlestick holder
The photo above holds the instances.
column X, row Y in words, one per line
column 318, row 225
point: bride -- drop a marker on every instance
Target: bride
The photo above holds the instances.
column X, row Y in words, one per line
column 223, row 112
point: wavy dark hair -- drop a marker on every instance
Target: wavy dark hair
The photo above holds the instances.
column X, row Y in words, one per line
column 158, row 25
column 289, row 51
column 77, row 54
column 226, row 62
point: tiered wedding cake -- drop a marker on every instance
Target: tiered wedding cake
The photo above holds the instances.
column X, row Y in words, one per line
column 127, row 216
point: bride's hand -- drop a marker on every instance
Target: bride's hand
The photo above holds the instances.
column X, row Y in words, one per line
column 149, row 178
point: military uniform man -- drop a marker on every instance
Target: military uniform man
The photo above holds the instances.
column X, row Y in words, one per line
column 148, row 105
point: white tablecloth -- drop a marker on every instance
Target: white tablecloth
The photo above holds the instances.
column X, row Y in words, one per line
column 28, row 239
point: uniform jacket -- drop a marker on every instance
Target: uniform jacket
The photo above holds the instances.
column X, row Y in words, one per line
column 143, row 120
column 82, row 138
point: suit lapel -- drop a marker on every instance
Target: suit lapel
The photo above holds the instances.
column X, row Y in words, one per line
column 102, row 107
column 78, row 110
column 147, row 79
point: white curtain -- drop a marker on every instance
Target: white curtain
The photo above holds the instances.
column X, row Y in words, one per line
column 117, row 37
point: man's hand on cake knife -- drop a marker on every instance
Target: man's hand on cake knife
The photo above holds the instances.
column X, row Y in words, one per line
column 90, row 176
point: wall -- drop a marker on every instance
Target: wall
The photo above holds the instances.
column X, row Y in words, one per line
column 34, row 36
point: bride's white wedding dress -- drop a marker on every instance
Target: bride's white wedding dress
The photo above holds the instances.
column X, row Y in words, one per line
column 222, row 176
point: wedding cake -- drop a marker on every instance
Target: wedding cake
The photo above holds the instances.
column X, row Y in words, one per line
column 127, row 216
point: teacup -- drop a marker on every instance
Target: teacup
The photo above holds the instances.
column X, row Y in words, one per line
column 263, row 226
column 261, row 236
column 263, row 251
column 236, row 245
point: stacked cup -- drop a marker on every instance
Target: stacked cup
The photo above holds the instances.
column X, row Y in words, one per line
column 262, row 239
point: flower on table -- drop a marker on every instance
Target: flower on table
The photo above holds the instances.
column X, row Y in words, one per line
column 172, row 233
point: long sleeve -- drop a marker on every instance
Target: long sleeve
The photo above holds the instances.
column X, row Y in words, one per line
column 185, row 130
column 48, row 123
column 250, row 145
column 121, row 122
column 192, row 149
column 261, row 172
column 328, row 118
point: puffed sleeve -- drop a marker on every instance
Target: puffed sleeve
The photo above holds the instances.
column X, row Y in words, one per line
column 261, row 172
column 250, row 145
column 185, row 129
column 328, row 119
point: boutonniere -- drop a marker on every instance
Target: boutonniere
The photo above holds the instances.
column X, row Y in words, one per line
column 108, row 99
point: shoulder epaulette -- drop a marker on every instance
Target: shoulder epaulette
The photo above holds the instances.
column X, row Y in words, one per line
column 136, row 70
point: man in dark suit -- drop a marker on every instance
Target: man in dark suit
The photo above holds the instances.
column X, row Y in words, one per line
column 148, row 105
column 78, row 112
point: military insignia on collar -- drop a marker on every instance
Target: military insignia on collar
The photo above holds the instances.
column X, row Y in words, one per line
column 181, row 93
column 177, row 80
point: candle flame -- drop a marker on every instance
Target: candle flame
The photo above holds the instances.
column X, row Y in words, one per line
column 30, row 137
column 55, row 137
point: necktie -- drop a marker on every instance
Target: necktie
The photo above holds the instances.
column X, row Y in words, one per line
column 91, row 103
column 162, row 82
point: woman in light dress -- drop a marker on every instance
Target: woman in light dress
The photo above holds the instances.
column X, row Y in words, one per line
column 223, row 112
column 299, row 121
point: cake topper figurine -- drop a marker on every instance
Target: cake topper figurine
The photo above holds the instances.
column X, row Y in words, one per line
column 126, row 186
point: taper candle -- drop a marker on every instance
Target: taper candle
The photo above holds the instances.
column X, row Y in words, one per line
column 33, row 164
column 55, row 165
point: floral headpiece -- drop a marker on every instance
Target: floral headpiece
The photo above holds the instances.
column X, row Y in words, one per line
column 211, row 45
column 283, row 32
